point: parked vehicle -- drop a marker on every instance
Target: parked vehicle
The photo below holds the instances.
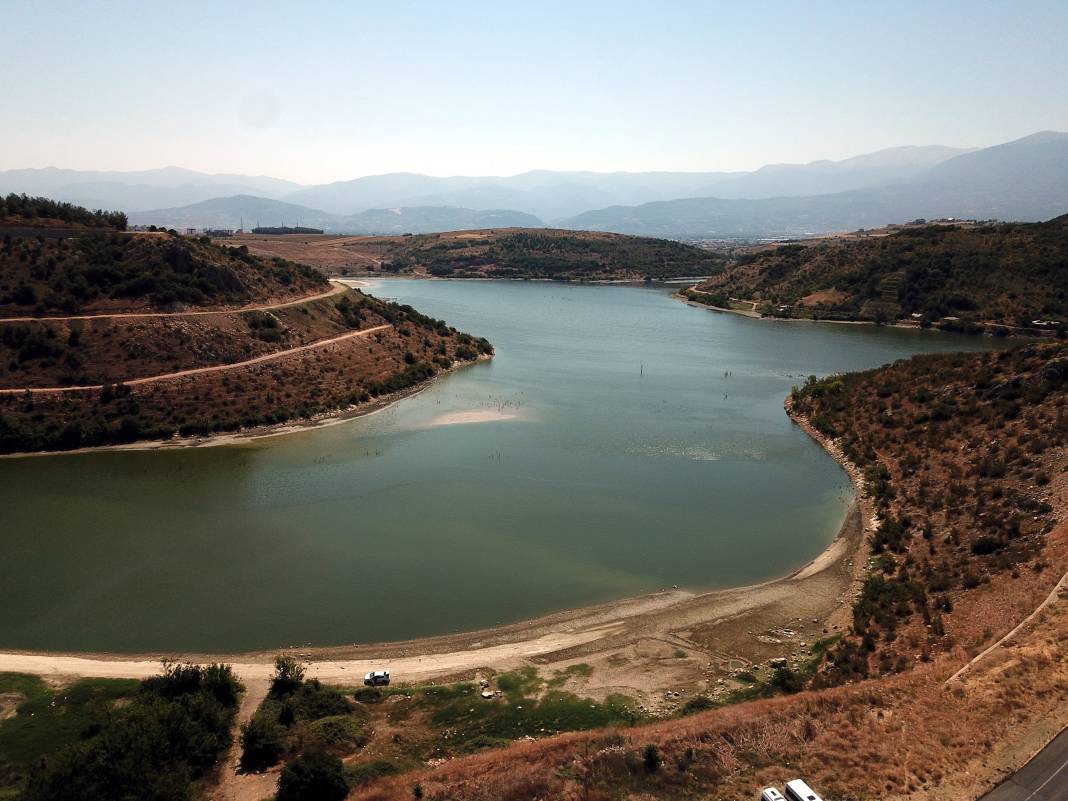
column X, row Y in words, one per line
column 377, row 678
column 771, row 794
column 797, row 790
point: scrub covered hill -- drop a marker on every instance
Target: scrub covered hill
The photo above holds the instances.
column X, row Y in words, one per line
column 517, row 253
column 15, row 209
column 961, row 454
column 115, row 272
column 560, row 255
column 1005, row 276
column 109, row 338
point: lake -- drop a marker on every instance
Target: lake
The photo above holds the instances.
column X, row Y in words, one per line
column 634, row 443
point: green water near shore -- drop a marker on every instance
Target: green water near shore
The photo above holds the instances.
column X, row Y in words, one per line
column 631, row 461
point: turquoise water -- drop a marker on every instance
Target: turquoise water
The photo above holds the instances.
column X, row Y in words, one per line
column 631, row 462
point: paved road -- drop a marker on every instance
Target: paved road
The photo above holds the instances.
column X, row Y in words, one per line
column 1044, row 778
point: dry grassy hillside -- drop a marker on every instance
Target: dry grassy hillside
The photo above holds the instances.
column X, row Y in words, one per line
column 959, row 452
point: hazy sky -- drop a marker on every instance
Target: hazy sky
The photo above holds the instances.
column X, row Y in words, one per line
column 318, row 91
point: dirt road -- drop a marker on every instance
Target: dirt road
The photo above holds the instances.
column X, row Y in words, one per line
column 336, row 289
column 267, row 357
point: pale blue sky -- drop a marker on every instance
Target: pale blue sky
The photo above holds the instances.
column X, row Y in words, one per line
column 318, row 91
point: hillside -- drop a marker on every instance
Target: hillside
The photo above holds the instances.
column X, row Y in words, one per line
column 20, row 210
column 110, row 338
column 962, row 460
column 112, row 273
column 539, row 253
column 1001, row 275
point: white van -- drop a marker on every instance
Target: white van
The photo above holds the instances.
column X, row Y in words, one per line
column 771, row 794
column 797, row 790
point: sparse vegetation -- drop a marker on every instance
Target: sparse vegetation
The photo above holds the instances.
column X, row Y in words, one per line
column 539, row 254
column 951, row 447
column 999, row 278
column 117, row 272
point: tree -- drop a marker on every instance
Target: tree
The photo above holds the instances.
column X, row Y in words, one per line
column 288, row 676
column 313, row 776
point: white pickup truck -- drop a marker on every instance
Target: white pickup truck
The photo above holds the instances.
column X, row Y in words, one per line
column 377, row 678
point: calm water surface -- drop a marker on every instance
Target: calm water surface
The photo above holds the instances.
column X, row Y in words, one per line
column 633, row 462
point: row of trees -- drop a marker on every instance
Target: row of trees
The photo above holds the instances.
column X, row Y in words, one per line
column 172, row 735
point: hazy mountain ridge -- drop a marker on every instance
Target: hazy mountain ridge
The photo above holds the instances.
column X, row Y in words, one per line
column 1022, row 180
column 138, row 190
column 543, row 193
column 551, row 195
column 232, row 212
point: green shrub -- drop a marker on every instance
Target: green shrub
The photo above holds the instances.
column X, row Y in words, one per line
column 368, row 695
column 313, row 776
column 698, row 704
column 314, row 701
column 262, row 743
column 338, row 731
column 288, row 676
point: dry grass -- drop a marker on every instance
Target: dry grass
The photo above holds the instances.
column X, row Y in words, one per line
column 906, row 734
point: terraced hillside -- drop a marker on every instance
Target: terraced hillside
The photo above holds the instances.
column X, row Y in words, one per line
column 1001, row 277
column 108, row 337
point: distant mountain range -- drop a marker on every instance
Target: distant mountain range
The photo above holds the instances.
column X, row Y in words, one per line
column 232, row 212
column 553, row 195
column 1022, row 180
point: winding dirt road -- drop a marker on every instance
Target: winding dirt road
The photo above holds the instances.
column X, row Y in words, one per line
column 217, row 368
column 336, row 289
